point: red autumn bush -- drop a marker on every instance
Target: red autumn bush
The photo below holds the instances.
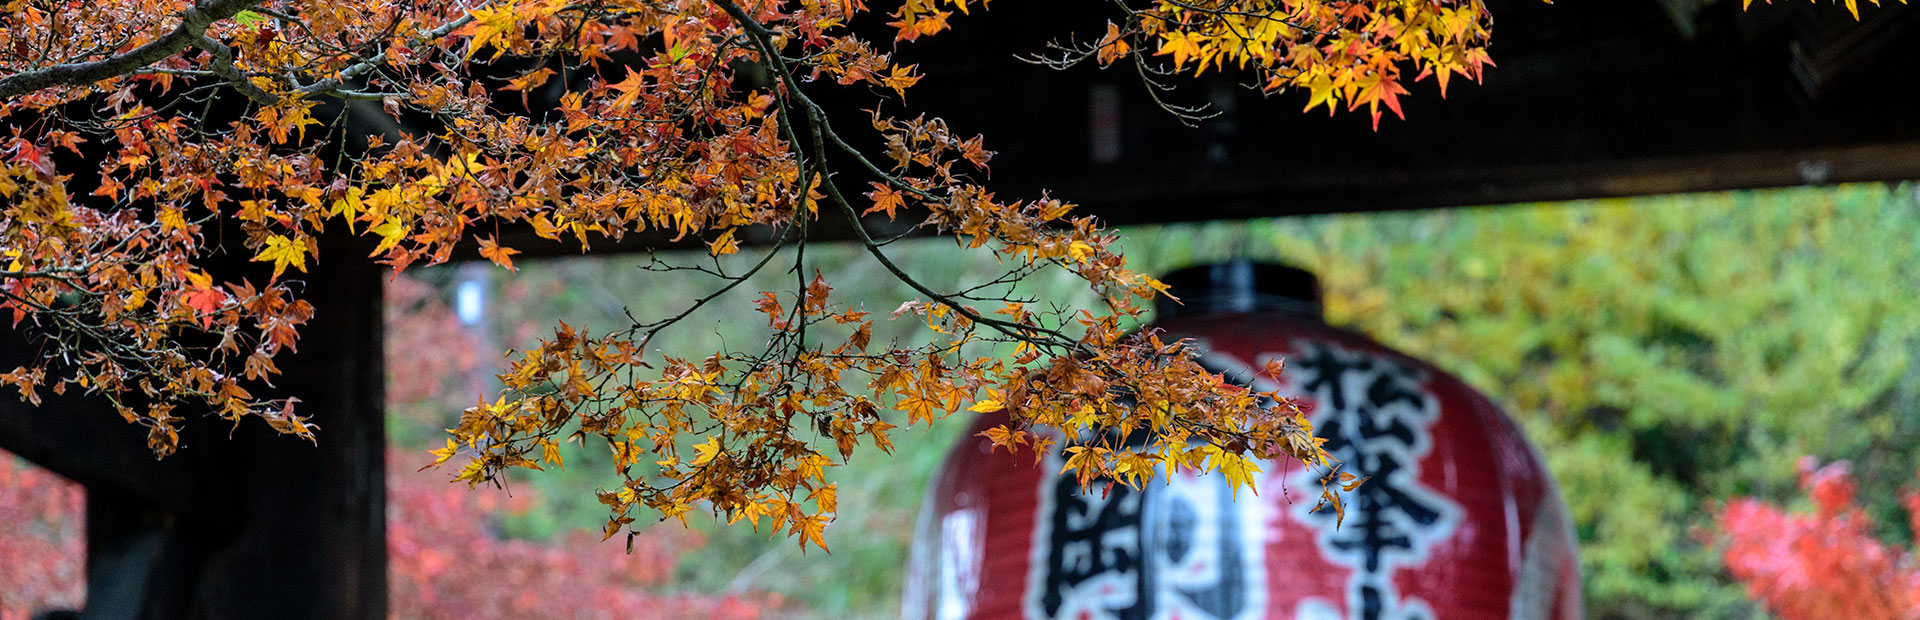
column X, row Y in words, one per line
column 1823, row 565
column 431, row 348
column 446, row 559
column 42, row 546
column 449, row 561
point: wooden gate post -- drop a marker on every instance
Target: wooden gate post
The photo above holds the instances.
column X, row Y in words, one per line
column 255, row 525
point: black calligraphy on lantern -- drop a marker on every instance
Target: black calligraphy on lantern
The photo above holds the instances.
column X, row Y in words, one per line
column 1375, row 414
column 1178, row 548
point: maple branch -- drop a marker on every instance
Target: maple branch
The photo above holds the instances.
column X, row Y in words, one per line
column 655, row 327
column 222, row 66
column 284, row 17
column 1220, row 12
column 333, row 85
column 50, row 272
column 193, row 26
column 823, row 131
column 1187, row 115
column 818, row 122
column 868, row 163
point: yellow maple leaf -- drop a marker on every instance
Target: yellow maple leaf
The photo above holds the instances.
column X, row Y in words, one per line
column 810, row 529
column 724, row 245
column 1182, row 45
column 630, row 90
column 491, row 249
column 752, row 512
column 825, row 497
column 1079, row 251
column 812, row 467
column 348, row 206
column 918, row 407
column 704, row 453
column 1321, row 91
column 283, row 252
column 900, row 79
column 391, row 232
column 488, row 24
column 171, row 219
column 986, row 406
column 1135, row 469
column 1113, row 46
column 1000, row 436
column 1238, row 470
column 444, row 454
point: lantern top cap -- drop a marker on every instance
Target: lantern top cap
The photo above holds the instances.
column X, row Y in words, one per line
column 1240, row 285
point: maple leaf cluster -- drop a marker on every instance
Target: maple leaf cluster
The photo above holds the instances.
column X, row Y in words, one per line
column 1826, row 564
column 1349, row 53
column 151, row 140
column 1853, row 6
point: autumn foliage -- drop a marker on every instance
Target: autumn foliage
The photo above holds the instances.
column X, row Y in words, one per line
column 448, row 560
column 426, row 343
column 151, row 136
column 42, row 557
column 1853, row 6
column 155, row 147
column 1827, row 564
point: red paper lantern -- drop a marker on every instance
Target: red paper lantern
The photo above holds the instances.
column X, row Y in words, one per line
column 1458, row 520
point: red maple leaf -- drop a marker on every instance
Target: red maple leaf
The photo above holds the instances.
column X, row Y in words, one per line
column 205, row 301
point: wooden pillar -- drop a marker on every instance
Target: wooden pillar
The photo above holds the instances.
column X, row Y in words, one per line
column 310, row 535
column 253, row 526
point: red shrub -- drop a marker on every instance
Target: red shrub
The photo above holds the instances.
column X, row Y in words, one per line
column 1823, row 565
column 449, row 562
column 42, row 540
column 446, row 560
column 427, row 346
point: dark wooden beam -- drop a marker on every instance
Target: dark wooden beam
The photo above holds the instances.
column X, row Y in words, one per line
column 1591, row 98
column 1831, row 48
column 1240, row 197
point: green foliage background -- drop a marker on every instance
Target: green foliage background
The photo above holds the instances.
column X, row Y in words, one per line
column 1664, row 353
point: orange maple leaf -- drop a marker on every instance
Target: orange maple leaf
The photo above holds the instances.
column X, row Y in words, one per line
column 885, row 199
column 490, row 249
